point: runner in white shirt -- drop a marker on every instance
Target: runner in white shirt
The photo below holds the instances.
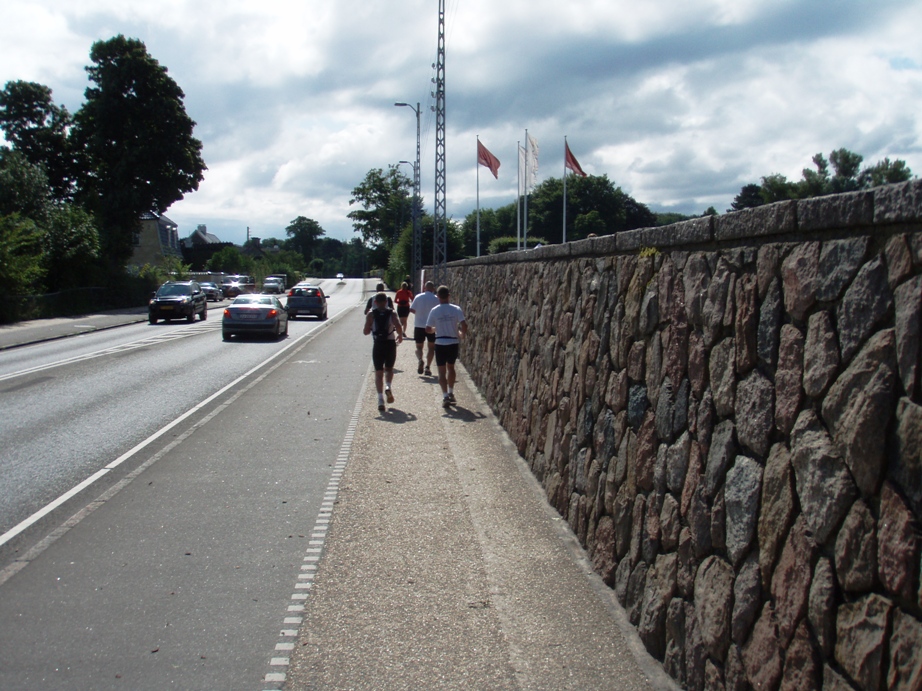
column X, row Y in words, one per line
column 447, row 322
column 420, row 307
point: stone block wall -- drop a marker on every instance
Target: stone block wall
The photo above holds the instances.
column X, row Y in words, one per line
column 728, row 413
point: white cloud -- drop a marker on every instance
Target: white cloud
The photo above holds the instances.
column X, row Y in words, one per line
column 680, row 102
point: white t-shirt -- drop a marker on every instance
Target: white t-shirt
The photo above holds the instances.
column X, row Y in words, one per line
column 445, row 317
column 422, row 305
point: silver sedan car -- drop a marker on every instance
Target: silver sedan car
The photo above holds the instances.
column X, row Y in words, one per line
column 255, row 314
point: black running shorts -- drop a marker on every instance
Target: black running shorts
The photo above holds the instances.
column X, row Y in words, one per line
column 384, row 354
column 420, row 335
column 446, row 354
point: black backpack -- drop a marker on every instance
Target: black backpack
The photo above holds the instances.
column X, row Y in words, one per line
column 382, row 326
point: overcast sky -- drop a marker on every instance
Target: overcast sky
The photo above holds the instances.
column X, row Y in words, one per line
column 679, row 102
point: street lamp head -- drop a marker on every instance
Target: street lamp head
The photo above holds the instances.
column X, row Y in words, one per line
column 401, row 104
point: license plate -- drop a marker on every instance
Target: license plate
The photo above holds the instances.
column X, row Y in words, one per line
column 166, row 308
column 248, row 316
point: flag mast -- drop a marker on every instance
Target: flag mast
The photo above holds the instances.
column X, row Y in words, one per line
column 525, row 223
column 518, row 198
column 564, row 189
column 477, row 166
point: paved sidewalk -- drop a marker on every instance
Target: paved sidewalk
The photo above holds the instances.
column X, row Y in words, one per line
column 445, row 568
column 37, row 330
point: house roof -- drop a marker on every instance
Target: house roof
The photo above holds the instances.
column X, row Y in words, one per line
column 202, row 237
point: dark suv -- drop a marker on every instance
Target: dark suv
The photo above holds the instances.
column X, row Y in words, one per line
column 178, row 300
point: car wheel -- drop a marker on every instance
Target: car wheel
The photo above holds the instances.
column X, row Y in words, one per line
column 204, row 315
column 152, row 319
column 191, row 317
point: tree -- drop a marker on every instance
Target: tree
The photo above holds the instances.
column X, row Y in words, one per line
column 846, row 165
column 20, row 258
column 776, row 188
column 135, row 142
column 70, row 248
column 815, row 183
column 883, row 173
column 39, row 130
column 750, row 196
column 385, row 199
column 303, row 234
column 230, row 260
column 23, row 187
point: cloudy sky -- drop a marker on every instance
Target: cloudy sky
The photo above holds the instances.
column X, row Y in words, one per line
column 679, row 102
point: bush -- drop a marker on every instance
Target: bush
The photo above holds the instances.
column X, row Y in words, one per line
column 509, row 242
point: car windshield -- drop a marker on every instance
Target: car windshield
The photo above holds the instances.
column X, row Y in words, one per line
column 252, row 300
column 207, row 285
column 169, row 290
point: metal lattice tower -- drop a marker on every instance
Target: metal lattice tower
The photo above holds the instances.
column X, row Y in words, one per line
column 417, row 263
column 440, row 231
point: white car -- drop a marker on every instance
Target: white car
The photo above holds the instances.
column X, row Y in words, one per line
column 340, row 277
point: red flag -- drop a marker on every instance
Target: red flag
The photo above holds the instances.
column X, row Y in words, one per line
column 571, row 162
column 485, row 158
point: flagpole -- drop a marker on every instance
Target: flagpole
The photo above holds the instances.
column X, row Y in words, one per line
column 565, row 189
column 518, row 200
column 525, row 222
column 477, row 166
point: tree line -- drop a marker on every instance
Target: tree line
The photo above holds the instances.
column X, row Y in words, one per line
column 846, row 175
column 73, row 187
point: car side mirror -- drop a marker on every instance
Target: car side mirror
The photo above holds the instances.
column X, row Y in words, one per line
column 153, row 295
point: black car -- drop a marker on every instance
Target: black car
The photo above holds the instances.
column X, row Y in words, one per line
column 212, row 291
column 178, row 300
column 307, row 299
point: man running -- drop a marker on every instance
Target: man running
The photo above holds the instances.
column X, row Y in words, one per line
column 447, row 322
column 382, row 323
column 421, row 307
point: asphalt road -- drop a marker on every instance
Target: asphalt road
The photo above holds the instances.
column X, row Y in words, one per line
column 174, row 568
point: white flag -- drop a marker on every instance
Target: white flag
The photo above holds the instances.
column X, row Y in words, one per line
column 531, row 166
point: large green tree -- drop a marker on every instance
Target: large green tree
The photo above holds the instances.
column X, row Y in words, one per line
column 303, row 234
column 594, row 205
column 39, row 130
column 385, row 199
column 135, row 142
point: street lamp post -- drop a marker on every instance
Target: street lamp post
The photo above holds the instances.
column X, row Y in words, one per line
column 416, row 263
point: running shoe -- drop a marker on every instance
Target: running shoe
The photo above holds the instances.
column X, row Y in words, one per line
column 428, row 372
column 451, row 398
column 381, row 407
column 446, row 403
column 419, row 367
column 390, row 395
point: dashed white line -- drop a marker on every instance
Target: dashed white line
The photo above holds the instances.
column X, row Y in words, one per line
column 314, row 551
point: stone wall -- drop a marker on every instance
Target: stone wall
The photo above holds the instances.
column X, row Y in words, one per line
column 728, row 413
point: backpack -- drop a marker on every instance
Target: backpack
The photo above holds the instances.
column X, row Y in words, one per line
column 381, row 326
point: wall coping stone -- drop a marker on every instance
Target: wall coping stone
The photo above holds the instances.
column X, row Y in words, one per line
column 771, row 219
column 898, row 203
column 839, row 211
